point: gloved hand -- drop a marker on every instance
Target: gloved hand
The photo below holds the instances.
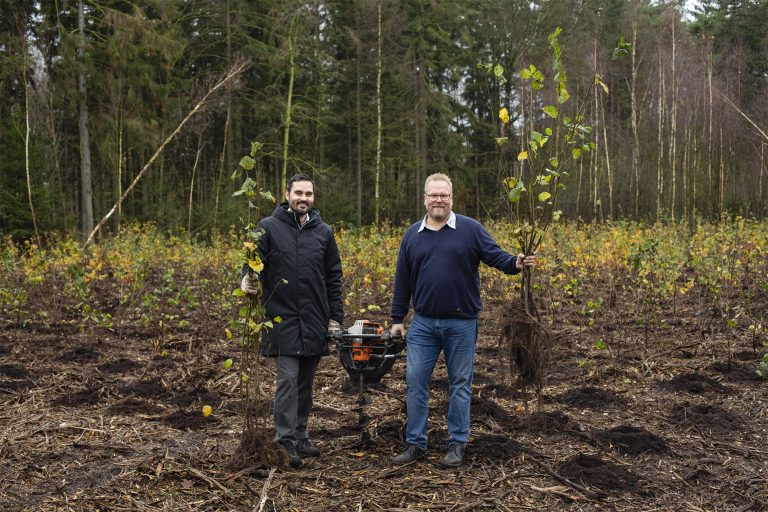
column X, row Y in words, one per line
column 250, row 283
column 334, row 329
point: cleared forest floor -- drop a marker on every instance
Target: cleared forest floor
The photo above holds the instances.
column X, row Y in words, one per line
column 101, row 420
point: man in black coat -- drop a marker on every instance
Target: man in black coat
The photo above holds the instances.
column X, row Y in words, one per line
column 302, row 285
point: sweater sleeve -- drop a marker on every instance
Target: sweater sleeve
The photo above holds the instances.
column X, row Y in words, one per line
column 402, row 294
column 493, row 255
column 333, row 276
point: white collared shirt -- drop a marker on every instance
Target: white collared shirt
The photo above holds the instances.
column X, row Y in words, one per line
column 451, row 222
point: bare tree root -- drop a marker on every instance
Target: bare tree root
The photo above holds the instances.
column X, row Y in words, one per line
column 528, row 346
column 257, row 448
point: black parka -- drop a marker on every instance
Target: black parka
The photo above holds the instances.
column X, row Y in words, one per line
column 301, row 283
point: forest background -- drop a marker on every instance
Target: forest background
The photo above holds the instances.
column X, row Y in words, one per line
column 369, row 98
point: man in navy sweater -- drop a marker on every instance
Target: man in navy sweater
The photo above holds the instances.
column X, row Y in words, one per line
column 437, row 270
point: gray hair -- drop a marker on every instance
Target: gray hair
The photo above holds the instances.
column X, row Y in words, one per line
column 438, row 176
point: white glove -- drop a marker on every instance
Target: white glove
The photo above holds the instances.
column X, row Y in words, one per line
column 250, row 283
column 334, row 329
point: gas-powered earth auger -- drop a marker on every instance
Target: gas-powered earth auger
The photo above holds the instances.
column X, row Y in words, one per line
column 367, row 352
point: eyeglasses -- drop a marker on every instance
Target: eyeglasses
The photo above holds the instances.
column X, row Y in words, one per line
column 435, row 197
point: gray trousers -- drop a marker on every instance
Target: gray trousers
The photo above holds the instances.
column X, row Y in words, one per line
column 293, row 396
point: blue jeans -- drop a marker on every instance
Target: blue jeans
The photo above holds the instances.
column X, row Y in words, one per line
column 427, row 336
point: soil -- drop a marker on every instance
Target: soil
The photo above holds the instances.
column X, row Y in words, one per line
column 101, row 420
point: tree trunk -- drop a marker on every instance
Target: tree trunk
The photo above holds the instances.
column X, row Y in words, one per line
column 673, row 126
column 709, row 132
column 660, row 140
column 86, row 187
column 378, row 116
column 26, row 147
column 192, row 181
column 633, row 113
column 287, row 128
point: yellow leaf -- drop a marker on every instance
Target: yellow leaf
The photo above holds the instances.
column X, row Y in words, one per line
column 504, row 115
column 256, row 265
column 207, row 410
column 250, row 245
column 523, row 155
column 358, row 454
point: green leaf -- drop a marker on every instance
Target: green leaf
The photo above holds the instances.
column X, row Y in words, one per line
column 599, row 345
column 266, row 194
column 554, row 162
column 551, row 111
column 227, row 364
column 500, row 141
column 267, row 324
column 548, row 131
column 237, row 292
column 556, row 215
column 525, row 74
column 544, row 196
column 255, row 147
column 498, row 71
column 576, row 153
column 247, row 163
column 514, row 195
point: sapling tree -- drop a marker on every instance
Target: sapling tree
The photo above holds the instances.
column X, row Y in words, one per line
column 552, row 138
column 256, row 446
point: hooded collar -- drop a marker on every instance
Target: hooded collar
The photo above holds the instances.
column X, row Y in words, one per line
column 284, row 213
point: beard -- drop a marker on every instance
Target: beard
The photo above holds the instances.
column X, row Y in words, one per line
column 301, row 206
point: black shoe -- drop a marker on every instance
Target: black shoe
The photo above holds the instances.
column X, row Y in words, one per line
column 411, row 454
column 292, row 455
column 306, row 449
column 453, row 456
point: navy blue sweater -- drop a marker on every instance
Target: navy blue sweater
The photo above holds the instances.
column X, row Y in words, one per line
column 438, row 270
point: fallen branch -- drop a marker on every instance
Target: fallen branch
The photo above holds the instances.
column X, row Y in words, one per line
column 745, row 116
column 265, row 489
column 233, row 72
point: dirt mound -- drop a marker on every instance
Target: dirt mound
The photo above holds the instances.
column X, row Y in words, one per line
column 590, row 398
column 713, row 417
column 133, row 406
column 593, row 471
column 492, row 446
column 145, row 388
column 554, row 421
column 14, row 372
column 736, row 372
column 88, row 396
column 78, row 355
column 122, row 365
column 192, row 420
column 198, row 395
column 748, row 355
column 484, row 407
column 694, row 383
column 633, row 440
column 500, row 391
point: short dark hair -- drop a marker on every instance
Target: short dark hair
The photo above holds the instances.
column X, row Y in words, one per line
column 298, row 177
